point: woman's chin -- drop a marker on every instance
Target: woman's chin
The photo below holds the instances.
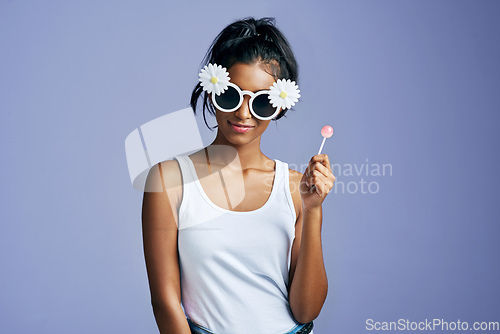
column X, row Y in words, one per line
column 237, row 138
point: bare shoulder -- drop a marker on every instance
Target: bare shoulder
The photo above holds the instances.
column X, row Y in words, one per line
column 163, row 175
column 165, row 179
column 295, row 174
column 295, row 178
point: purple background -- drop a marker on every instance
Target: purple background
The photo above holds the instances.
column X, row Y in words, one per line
column 413, row 84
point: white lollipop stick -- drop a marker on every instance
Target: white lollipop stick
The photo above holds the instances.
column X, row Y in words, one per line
column 326, row 132
column 323, row 143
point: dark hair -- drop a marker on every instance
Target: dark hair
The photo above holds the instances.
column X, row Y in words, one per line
column 247, row 41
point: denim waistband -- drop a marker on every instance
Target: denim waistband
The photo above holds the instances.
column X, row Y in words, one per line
column 298, row 329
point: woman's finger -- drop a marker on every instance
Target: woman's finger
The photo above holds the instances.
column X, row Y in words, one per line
column 321, row 158
column 325, row 180
column 320, row 170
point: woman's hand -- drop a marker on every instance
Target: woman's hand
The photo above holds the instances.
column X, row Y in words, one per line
column 316, row 182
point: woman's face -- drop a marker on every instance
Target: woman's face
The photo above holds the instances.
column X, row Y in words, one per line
column 251, row 77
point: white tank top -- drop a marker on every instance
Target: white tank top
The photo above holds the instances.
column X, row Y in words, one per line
column 234, row 265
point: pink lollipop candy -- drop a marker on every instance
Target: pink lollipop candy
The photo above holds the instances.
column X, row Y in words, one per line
column 326, row 132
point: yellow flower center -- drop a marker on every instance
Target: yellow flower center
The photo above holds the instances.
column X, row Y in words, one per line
column 214, row 80
column 283, row 95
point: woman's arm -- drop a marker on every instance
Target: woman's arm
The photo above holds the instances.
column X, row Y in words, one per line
column 159, row 224
column 308, row 281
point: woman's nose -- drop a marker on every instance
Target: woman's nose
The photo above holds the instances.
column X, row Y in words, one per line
column 243, row 112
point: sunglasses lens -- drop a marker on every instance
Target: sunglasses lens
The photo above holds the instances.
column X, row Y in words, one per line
column 228, row 100
column 262, row 106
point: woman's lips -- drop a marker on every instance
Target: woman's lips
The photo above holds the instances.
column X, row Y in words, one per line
column 240, row 128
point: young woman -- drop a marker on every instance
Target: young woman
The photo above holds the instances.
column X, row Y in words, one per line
column 232, row 238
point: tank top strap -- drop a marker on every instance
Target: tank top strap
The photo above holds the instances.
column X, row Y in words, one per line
column 285, row 187
column 187, row 175
column 190, row 194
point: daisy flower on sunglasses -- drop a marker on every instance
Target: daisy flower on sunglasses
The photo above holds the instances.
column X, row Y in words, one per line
column 284, row 94
column 214, row 79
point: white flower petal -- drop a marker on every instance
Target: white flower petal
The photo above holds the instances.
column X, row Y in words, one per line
column 217, row 89
column 210, row 71
column 292, row 94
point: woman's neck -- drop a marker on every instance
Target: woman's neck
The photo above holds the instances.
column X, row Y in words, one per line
column 223, row 152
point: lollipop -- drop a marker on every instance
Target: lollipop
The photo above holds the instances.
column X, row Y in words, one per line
column 326, row 132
